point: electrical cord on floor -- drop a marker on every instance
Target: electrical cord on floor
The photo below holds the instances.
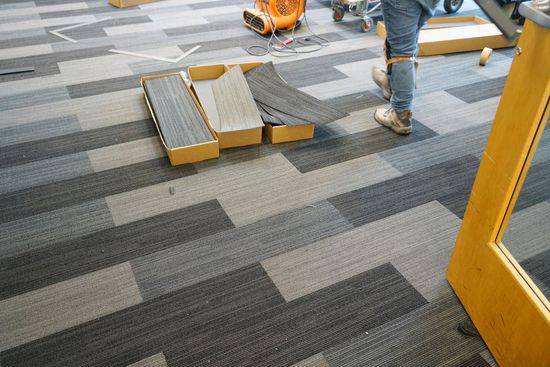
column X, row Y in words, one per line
column 287, row 50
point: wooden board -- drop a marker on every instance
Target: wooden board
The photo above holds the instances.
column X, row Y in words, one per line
column 436, row 40
column 511, row 314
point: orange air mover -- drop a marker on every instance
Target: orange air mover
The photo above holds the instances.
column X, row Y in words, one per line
column 270, row 15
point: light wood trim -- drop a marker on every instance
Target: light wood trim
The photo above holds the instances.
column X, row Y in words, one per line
column 513, row 319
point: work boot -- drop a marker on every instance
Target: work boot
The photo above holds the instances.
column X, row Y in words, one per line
column 381, row 79
column 400, row 122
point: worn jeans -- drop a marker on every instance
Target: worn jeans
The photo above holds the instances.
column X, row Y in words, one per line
column 403, row 20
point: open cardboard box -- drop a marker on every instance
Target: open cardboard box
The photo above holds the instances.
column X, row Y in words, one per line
column 191, row 153
column 275, row 134
column 443, row 35
column 127, row 3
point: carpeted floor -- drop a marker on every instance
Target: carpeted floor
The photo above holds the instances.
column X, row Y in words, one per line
column 329, row 252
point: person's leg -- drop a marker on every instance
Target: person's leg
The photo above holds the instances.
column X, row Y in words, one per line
column 402, row 19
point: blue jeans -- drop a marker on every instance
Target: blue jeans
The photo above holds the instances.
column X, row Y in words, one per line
column 403, row 20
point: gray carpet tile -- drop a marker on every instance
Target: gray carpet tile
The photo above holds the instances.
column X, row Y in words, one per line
column 396, row 342
column 37, row 314
column 317, row 360
column 181, row 266
column 319, row 69
column 275, row 93
column 28, row 41
column 43, row 96
column 217, row 3
column 43, row 229
column 475, row 361
column 178, row 117
column 356, row 101
column 538, row 267
column 341, row 149
column 454, row 177
column 75, row 142
column 44, row 172
column 96, row 30
column 193, row 29
column 479, row 91
column 168, row 324
column 38, row 130
column 157, row 360
column 47, row 64
column 103, row 86
column 278, row 117
column 72, row 191
column 236, row 107
column 71, row 13
column 49, row 265
column 535, row 186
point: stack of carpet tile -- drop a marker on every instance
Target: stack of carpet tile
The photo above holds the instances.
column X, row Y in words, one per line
column 282, row 104
column 176, row 113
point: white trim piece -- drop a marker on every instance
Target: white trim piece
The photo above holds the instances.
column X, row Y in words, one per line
column 63, row 36
column 165, row 59
column 55, row 32
column 187, row 53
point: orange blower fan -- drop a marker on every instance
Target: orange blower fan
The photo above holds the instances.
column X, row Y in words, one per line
column 270, row 15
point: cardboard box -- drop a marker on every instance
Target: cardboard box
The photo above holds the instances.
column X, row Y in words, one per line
column 127, row 3
column 275, row 134
column 191, row 153
column 227, row 139
column 443, row 35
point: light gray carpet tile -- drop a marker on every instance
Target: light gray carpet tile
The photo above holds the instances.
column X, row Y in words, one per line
column 213, row 26
column 24, row 51
column 217, row 3
column 236, row 107
column 340, row 149
column 444, row 113
column 83, row 188
column 319, row 70
column 318, row 360
column 43, row 96
column 203, row 89
column 58, row 146
column 43, row 172
column 157, row 360
column 39, row 130
column 42, row 23
column 297, row 190
column 278, row 95
column 11, row 37
column 415, row 339
column 479, row 91
column 18, row 18
column 9, row 5
column 526, row 234
column 178, row 117
column 356, row 101
column 46, row 311
column 46, row 228
column 97, row 30
column 75, row 12
column 429, row 229
column 411, row 157
column 101, row 249
column 181, row 266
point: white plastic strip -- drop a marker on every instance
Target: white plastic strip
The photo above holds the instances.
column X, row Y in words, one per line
column 185, row 54
column 63, row 36
column 165, row 59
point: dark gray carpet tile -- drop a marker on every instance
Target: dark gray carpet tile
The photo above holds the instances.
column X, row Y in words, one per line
column 475, row 361
column 47, row 64
column 538, row 266
column 212, row 26
column 425, row 337
column 24, row 203
column 75, row 142
column 210, row 324
column 213, row 308
column 479, row 91
column 104, row 86
column 289, row 333
column 536, row 186
column 356, row 101
column 279, row 118
column 29, row 41
column 33, row 98
column 190, row 263
column 42, row 129
column 277, row 94
column 96, row 30
column 393, row 196
column 77, row 12
column 68, row 259
column 322, row 154
column 219, row 3
column 317, row 70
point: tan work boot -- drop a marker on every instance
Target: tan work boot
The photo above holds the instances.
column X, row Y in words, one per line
column 400, row 122
column 380, row 77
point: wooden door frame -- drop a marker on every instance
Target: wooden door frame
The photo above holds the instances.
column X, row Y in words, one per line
column 510, row 312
